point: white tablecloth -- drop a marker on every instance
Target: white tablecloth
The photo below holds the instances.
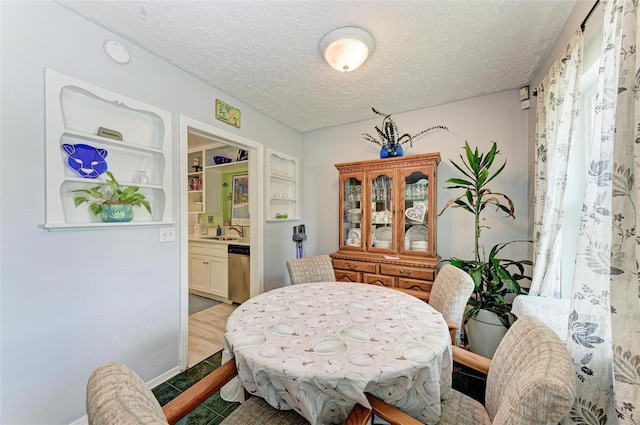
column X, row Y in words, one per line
column 318, row 347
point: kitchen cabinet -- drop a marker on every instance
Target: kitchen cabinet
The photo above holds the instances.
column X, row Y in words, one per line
column 198, row 272
column 387, row 228
column 89, row 130
column 208, row 270
column 282, row 187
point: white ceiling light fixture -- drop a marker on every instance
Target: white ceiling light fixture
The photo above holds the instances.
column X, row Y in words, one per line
column 345, row 49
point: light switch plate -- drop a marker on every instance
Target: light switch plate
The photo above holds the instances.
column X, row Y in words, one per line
column 167, row 234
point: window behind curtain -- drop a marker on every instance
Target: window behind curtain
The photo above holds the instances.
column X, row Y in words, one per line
column 580, row 153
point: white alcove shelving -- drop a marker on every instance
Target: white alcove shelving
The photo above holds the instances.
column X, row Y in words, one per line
column 75, row 110
column 283, row 193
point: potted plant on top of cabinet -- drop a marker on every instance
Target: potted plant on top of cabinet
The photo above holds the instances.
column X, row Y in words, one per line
column 115, row 203
column 390, row 140
column 488, row 310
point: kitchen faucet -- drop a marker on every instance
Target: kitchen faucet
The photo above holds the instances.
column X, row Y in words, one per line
column 239, row 230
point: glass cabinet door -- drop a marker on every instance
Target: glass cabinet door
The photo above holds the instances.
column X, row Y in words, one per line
column 351, row 232
column 416, row 202
column 382, row 233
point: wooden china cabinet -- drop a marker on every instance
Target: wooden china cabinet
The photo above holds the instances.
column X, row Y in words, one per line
column 388, row 223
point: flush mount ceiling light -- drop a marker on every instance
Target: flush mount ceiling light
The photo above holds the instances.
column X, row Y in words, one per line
column 345, row 49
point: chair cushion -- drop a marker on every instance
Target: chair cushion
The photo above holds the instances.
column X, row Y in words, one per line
column 531, row 379
column 116, row 395
column 256, row 411
column 553, row 312
column 460, row 409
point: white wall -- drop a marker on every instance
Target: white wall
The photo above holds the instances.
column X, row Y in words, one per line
column 480, row 120
column 73, row 300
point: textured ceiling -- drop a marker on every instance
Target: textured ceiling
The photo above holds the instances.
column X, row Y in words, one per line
column 266, row 53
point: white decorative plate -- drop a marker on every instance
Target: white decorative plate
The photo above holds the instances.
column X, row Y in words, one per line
column 354, row 234
column 417, row 233
column 382, row 244
column 383, row 234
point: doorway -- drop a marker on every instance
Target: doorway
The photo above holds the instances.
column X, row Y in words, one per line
column 256, row 207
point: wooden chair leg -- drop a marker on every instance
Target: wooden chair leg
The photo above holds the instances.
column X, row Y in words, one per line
column 359, row 415
column 180, row 406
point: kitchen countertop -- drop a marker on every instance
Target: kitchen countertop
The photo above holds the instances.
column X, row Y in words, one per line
column 193, row 238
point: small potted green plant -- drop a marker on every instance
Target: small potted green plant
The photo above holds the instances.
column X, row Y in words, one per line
column 113, row 203
column 494, row 276
column 390, row 140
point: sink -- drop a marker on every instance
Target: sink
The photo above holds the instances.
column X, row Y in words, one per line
column 220, row 238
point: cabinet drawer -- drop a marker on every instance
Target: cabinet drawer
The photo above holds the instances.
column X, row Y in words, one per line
column 421, row 295
column 347, row 276
column 376, row 279
column 408, row 272
column 354, row 266
column 212, row 249
column 417, row 285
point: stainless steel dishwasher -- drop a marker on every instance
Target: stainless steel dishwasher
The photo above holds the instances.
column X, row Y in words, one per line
column 239, row 273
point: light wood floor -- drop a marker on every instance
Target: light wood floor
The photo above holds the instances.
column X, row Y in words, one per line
column 206, row 332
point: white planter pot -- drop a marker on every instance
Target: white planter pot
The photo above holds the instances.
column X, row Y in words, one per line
column 484, row 332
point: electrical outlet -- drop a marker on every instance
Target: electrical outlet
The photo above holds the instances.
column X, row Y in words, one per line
column 167, row 234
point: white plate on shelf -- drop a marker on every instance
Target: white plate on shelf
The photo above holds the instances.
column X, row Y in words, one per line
column 417, row 233
column 383, row 234
column 353, row 242
column 354, row 234
column 382, row 244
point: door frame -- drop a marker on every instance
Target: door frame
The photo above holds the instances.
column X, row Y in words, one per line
column 256, row 211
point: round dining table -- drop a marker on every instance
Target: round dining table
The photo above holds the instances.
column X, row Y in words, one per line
column 319, row 347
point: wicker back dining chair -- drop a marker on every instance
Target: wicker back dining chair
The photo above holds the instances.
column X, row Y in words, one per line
column 530, row 380
column 311, row 269
column 451, row 289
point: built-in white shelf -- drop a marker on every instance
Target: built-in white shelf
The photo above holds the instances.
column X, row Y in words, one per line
column 79, row 226
column 282, row 188
column 208, row 198
column 75, row 111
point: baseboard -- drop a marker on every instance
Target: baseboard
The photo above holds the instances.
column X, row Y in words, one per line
column 164, row 377
column 82, row 421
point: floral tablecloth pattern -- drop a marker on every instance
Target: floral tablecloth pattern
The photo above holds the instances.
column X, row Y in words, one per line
column 318, row 347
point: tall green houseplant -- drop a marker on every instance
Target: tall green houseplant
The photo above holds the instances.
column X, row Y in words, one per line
column 494, row 277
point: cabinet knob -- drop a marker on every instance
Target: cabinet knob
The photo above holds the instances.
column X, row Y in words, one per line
column 405, row 272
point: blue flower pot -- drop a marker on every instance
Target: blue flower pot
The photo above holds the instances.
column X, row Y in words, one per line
column 116, row 213
column 391, row 151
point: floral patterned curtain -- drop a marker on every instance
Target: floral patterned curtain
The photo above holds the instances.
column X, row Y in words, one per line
column 557, row 113
column 604, row 325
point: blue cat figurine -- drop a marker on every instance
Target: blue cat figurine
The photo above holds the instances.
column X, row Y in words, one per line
column 88, row 161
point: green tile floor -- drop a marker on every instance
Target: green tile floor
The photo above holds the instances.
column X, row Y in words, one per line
column 213, row 410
